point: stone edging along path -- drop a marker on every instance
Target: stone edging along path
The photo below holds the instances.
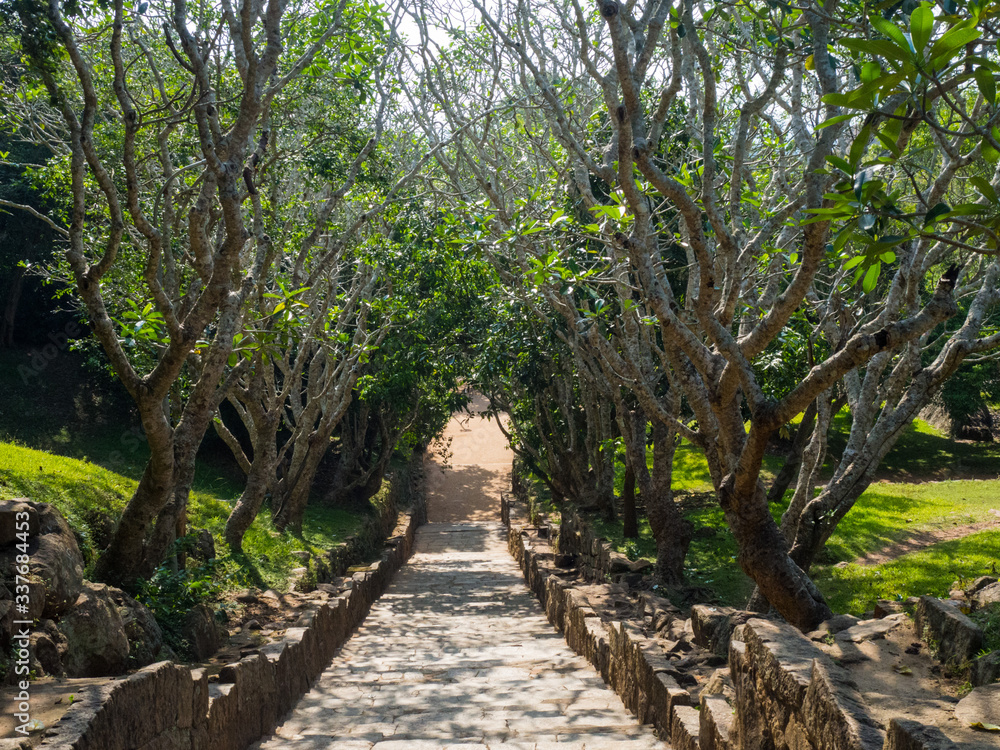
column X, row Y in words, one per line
column 172, row 706
column 779, row 691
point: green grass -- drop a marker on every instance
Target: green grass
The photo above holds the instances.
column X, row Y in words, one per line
column 887, row 513
column 922, row 452
column 854, row 588
column 85, row 493
column 890, row 512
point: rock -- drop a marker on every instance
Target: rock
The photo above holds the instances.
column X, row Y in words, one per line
column 96, row 644
column 870, row 630
column 886, row 607
column 203, row 547
column 252, row 625
column 7, row 616
column 713, row 626
column 985, row 670
column 685, row 728
column 837, row 623
column 905, row 734
column 247, row 597
column 715, row 723
column 981, row 705
column 641, row 565
column 957, row 637
column 56, row 561
column 144, row 635
column 980, row 583
column 618, row 563
column 9, row 510
column 977, row 426
column 834, row 711
column 988, row 594
column 563, row 560
column 202, row 633
column 301, row 554
column 46, row 652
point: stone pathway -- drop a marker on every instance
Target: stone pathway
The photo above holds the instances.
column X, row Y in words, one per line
column 458, row 655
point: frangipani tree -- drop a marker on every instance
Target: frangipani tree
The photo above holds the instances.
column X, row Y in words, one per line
column 605, row 137
column 168, row 120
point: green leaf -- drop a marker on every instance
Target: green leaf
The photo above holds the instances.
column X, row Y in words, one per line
column 921, row 26
column 939, row 210
column 889, row 143
column 985, row 188
column 833, row 121
column 890, row 30
column 870, row 71
column 952, row 40
column 988, row 87
column 871, row 276
column 881, row 47
column 989, row 153
column 859, row 146
column 840, row 164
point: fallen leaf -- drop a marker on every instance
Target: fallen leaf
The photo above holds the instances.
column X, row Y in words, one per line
column 983, row 725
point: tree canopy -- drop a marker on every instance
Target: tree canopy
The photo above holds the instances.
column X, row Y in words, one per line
column 629, row 224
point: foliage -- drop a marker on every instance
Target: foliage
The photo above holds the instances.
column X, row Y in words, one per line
column 171, row 594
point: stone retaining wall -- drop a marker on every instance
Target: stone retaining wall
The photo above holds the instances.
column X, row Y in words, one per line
column 169, row 706
column 783, row 692
column 402, row 490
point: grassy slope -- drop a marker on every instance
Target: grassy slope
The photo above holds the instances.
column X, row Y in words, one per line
column 887, row 512
column 84, row 491
column 91, row 459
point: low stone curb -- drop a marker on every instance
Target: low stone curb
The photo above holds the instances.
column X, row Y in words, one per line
column 788, row 693
column 169, row 706
column 630, row 663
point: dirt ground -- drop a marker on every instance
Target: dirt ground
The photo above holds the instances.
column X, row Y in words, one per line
column 478, row 457
column 898, row 684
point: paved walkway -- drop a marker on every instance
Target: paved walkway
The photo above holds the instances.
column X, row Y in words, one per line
column 457, row 654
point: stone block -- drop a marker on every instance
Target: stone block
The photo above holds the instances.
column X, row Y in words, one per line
column 956, row 636
column 782, row 661
column 684, row 729
column 886, row 607
column 716, row 723
column 981, row 705
column 713, row 626
column 905, row 734
column 985, row 670
column 834, row 713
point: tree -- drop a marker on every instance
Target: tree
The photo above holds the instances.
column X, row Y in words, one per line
column 789, row 210
column 165, row 141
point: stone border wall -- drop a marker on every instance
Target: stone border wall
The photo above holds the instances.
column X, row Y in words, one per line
column 785, row 693
column 403, row 491
column 169, row 706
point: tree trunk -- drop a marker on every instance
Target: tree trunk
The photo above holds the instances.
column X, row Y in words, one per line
column 120, row 563
column 295, row 496
column 248, row 506
column 630, row 519
column 763, row 555
column 789, row 470
column 671, row 530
